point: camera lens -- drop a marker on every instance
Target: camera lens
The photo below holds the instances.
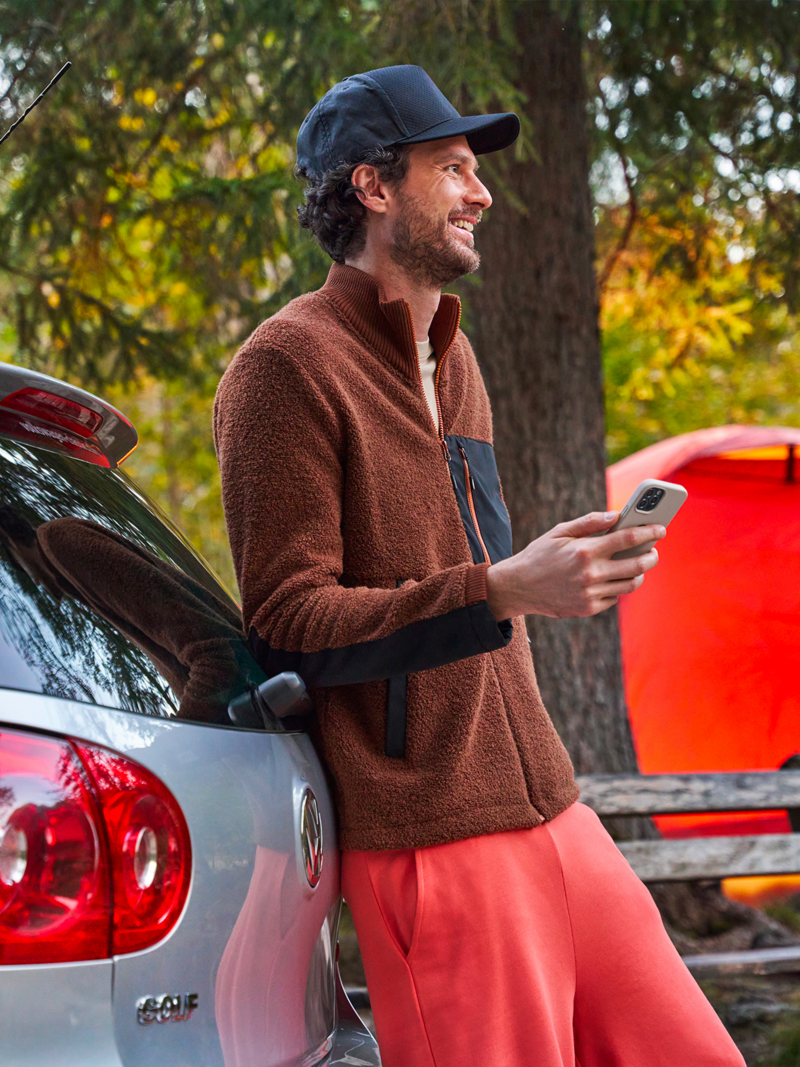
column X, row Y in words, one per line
column 650, row 499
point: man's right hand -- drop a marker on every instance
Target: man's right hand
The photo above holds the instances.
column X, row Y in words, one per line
column 568, row 573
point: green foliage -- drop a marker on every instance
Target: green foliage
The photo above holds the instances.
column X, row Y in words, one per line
column 147, row 205
column 146, row 209
column 696, row 143
column 785, row 1051
column 786, row 912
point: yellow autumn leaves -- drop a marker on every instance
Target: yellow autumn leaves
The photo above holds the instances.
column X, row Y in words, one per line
column 693, row 334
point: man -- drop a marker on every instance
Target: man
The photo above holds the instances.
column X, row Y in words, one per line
column 499, row 925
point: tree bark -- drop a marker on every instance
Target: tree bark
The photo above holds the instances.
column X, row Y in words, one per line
column 534, row 322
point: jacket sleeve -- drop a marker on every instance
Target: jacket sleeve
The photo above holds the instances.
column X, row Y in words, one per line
column 281, row 441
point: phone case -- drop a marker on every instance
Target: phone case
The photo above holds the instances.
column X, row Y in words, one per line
column 664, row 511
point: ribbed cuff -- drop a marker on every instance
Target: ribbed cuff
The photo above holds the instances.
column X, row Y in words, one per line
column 475, row 590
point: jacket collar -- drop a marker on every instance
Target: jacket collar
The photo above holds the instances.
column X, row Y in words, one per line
column 386, row 325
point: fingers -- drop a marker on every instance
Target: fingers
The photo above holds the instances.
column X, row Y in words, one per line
column 609, row 580
column 615, row 589
column 599, row 603
column 630, row 538
column 586, row 525
column 620, row 570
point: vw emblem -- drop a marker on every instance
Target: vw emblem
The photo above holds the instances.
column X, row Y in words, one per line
column 311, row 838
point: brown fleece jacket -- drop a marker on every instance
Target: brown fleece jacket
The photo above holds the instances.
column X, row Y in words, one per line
column 361, row 539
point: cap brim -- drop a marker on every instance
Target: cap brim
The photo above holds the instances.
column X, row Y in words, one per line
column 484, row 133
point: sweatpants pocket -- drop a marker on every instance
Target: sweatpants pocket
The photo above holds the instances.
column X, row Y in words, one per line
column 394, row 878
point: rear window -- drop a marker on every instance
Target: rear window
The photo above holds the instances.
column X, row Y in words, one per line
column 102, row 602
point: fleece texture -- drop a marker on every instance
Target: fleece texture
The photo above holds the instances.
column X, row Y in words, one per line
column 361, row 566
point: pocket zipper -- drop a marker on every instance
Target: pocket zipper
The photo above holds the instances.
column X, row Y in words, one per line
column 471, row 502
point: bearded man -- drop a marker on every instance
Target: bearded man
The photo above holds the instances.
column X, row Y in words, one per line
column 498, row 923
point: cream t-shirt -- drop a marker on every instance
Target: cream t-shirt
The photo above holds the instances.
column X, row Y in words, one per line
column 427, row 369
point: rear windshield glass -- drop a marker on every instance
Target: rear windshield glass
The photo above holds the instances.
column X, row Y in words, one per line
column 101, row 602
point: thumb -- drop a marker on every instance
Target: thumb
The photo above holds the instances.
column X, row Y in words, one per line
column 586, row 525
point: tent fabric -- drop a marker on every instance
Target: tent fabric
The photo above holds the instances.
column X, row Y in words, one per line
column 711, row 641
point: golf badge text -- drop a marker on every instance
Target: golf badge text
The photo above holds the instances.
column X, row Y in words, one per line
column 166, row 1008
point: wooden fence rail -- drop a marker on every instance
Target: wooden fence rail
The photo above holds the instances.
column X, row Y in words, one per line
column 684, row 794
column 697, row 858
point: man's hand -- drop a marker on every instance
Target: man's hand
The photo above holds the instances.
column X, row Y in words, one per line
column 567, row 573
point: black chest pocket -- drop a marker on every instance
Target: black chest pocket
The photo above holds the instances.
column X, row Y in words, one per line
column 477, row 488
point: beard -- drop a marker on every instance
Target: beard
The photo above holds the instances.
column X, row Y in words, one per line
column 423, row 247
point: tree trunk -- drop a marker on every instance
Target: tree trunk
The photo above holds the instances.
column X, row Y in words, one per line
column 534, row 322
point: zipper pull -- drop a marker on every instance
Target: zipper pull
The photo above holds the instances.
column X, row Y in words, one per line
column 446, row 454
column 466, row 467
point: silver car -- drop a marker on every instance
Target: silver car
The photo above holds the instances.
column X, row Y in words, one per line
column 169, row 880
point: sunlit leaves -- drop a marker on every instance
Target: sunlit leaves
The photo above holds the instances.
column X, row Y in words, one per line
column 690, row 337
column 164, row 162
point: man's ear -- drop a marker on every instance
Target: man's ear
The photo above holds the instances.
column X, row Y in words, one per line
column 370, row 190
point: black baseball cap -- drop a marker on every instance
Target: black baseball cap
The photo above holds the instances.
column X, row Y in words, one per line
column 390, row 106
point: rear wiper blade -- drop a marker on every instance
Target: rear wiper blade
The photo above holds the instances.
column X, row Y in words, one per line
column 27, row 110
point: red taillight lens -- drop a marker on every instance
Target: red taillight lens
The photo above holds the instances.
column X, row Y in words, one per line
column 54, row 885
column 76, row 418
column 75, row 834
column 20, row 425
column 149, row 847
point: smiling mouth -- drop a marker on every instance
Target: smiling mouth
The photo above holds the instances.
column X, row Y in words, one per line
column 462, row 224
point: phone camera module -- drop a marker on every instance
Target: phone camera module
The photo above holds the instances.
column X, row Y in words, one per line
column 650, row 499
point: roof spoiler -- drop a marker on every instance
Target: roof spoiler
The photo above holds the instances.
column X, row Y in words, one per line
column 51, row 413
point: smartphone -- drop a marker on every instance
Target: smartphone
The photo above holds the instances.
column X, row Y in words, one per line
column 652, row 502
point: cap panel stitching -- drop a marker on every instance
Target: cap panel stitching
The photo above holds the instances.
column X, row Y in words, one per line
column 395, row 114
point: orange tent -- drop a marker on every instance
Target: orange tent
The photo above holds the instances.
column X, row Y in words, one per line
column 711, row 642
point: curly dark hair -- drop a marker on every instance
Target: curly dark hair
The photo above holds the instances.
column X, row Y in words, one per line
column 332, row 210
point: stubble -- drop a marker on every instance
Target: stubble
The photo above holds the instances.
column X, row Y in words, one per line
column 423, row 247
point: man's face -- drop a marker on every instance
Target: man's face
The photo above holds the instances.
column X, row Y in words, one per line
column 434, row 211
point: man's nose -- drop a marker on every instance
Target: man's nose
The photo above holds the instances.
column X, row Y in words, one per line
column 478, row 194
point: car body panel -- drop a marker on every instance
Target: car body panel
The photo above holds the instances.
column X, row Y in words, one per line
column 251, row 922
column 114, row 632
column 58, row 1015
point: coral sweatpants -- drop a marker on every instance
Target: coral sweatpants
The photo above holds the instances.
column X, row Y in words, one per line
column 530, row 948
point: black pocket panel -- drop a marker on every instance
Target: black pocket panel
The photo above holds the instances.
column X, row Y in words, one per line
column 491, row 512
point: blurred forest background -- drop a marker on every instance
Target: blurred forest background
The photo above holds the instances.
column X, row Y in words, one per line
column 147, row 225
column 147, row 207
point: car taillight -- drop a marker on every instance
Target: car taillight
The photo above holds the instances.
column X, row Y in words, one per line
column 72, row 416
column 20, row 425
column 149, row 846
column 55, row 421
column 95, row 857
column 54, row 891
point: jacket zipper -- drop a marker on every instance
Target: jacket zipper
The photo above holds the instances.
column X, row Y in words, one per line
column 440, row 427
column 471, row 502
column 446, row 450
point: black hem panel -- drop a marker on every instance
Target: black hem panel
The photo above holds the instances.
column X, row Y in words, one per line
column 396, row 715
column 486, row 627
column 420, row 646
